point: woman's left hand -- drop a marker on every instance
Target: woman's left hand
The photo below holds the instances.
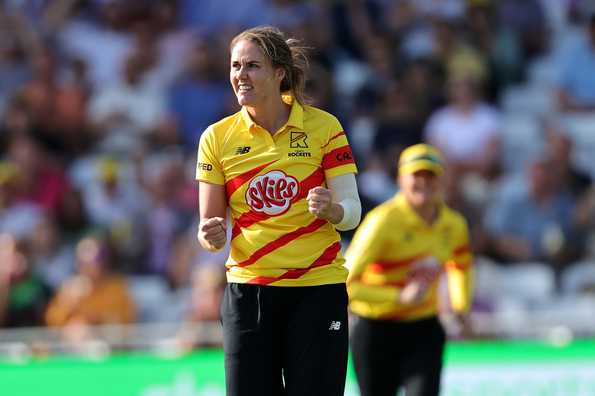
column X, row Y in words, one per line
column 320, row 204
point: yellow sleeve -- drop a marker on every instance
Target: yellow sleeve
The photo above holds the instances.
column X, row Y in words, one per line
column 459, row 271
column 365, row 248
column 337, row 158
column 208, row 164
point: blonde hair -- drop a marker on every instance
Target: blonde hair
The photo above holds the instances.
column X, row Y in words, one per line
column 286, row 53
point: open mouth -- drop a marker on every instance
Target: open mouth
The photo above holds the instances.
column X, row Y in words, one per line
column 242, row 88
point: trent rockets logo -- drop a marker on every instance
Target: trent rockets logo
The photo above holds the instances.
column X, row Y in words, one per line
column 298, row 140
column 272, row 192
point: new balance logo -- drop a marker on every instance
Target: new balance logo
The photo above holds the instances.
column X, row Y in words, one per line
column 335, row 325
column 242, row 150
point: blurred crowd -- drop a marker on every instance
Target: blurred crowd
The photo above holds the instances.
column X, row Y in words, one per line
column 102, row 103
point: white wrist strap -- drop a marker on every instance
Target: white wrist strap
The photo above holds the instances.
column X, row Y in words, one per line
column 344, row 190
column 352, row 211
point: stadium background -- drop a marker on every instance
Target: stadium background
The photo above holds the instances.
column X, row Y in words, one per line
column 102, row 103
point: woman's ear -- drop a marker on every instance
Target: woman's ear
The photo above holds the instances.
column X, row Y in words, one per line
column 280, row 74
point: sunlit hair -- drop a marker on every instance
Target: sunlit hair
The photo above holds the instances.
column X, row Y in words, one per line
column 283, row 52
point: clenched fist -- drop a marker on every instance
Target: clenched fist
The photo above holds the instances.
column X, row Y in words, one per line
column 427, row 269
column 414, row 292
column 320, row 204
column 212, row 233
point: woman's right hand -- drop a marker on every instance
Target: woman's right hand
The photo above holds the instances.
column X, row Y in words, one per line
column 414, row 291
column 212, row 233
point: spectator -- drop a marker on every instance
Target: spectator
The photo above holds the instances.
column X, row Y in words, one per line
column 319, row 87
column 96, row 295
column 380, row 60
column 58, row 107
column 560, row 146
column 111, row 41
column 208, row 286
column 317, row 32
column 214, row 16
column 497, row 43
column 288, row 14
column 526, row 20
column 577, row 80
column 127, row 112
column 15, row 68
column 201, row 95
column 400, row 124
column 584, row 216
column 446, row 9
column 187, row 255
column 17, row 120
column 115, row 202
column 165, row 221
column 19, row 218
column 536, row 224
column 461, row 60
column 23, row 295
column 52, row 258
column 41, row 179
column 467, row 131
column 472, row 209
column 72, row 217
column 171, row 42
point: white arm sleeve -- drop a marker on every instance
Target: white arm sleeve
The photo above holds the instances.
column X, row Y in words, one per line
column 344, row 191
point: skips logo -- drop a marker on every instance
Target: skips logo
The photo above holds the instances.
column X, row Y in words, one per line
column 272, row 192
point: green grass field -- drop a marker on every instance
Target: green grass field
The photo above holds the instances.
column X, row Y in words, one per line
column 472, row 368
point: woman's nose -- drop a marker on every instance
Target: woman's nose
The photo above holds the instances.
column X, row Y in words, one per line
column 242, row 73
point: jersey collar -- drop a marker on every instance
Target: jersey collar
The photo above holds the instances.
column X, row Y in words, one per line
column 296, row 115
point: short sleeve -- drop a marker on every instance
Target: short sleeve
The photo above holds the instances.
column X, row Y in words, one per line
column 460, row 271
column 208, row 165
column 337, row 157
column 462, row 253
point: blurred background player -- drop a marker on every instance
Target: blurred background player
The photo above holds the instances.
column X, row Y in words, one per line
column 287, row 174
column 396, row 259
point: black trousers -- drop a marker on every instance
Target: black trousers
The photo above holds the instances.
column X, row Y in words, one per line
column 389, row 356
column 285, row 341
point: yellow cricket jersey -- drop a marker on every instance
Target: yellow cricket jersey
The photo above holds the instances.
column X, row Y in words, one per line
column 389, row 243
column 275, row 240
